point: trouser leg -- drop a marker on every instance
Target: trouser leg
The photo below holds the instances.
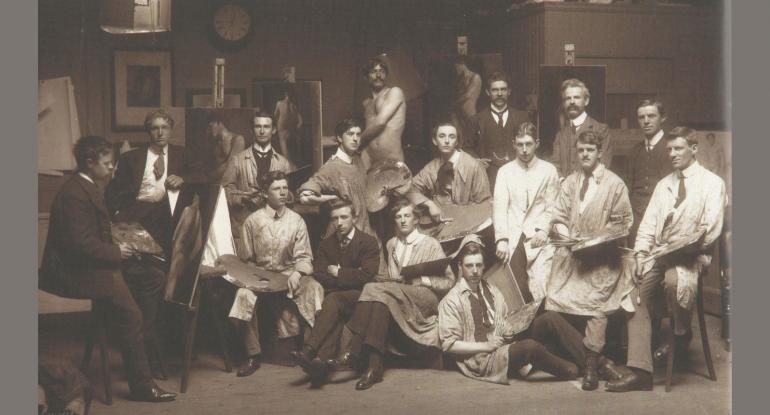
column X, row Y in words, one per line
column 639, row 323
column 358, row 326
column 551, row 329
column 595, row 334
column 519, row 268
column 146, row 283
column 337, row 308
column 127, row 321
column 681, row 318
column 251, row 334
column 530, row 351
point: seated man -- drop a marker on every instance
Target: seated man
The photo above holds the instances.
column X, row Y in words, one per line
column 589, row 285
column 347, row 259
column 455, row 177
column 525, row 190
column 81, row 261
column 342, row 176
column 474, row 330
column 685, row 201
column 411, row 304
column 275, row 238
column 246, row 170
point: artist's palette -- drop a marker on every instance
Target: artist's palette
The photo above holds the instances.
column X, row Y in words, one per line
column 381, row 180
column 251, row 277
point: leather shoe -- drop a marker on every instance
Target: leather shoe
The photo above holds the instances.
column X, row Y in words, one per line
column 368, row 379
column 342, row 363
column 152, row 393
column 591, row 378
column 247, row 369
column 302, row 359
column 318, row 372
column 634, row 380
column 607, row 369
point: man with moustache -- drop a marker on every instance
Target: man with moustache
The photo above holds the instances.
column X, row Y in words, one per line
column 689, row 199
column 385, row 115
column 648, row 161
column 526, row 190
column 346, row 260
column 454, row 177
column 137, row 193
column 275, row 238
column 590, row 285
column 244, row 173
column 495, row 126
column 82, row 261
column 575, row 98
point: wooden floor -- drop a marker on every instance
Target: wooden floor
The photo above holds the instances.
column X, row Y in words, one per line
column 283, row 390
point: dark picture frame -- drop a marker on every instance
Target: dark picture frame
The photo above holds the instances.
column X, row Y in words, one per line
column 142, row 81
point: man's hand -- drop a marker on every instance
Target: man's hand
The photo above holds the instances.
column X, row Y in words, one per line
column 174, row 182
column 502, row 252
column 538, row 239
column 703, row 261
column 126, row 251
column 334, row 270
column 435, row 212
column 485, row 162
column 312, row 199
column 640, row 265
column 294, row 280
column 494, row 342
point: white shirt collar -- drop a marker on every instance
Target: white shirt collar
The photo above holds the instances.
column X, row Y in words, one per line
column 527, row 166
column 342, row 155
column 494, row 109
column 412, row 238
column 350, row 234
column 655, row 139
column 164, row 150
column 691, row 169
column 455, row 157
column 580, row 119
column 272, row 212
column 265, row 149
column 87, row 177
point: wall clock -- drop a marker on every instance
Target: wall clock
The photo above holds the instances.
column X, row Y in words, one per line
column 231, row 24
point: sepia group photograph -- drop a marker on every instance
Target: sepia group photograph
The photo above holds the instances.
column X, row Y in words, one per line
column 384, row 206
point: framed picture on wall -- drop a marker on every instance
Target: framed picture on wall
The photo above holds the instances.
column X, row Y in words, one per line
column 201, row 98
column 142, row 81
column 550, row 112
column 296, row 108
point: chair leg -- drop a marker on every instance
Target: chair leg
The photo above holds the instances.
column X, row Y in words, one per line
column 192, row 319
column 704, row 338
column 220, row 334
column 105, row 365
column 670, row 356
column 90, row 341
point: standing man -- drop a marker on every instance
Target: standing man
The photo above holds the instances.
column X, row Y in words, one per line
column 496, row 126
column 343, row 176
column 289, row 122
column 589, row 285
column 385, row 115
column 689, row 199
column 467, row 92
column 454, row 177
column 227, row 145
column 347, row 259
column 527, row 189
column 81, row 261
column 648, row 161
column 137, row 193
column 575, row 98
column 275, row 238
column 244, row 173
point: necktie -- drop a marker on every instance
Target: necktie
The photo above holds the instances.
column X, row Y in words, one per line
column 681, row 193
column 444, row 179
column 159, row 167
column 584, row 188
column 649, row 145
column 572, row 128
column 499, row 115
column 344, row 242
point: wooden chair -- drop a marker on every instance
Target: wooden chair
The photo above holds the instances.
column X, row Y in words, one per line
column 703, row 337
column 97, row 333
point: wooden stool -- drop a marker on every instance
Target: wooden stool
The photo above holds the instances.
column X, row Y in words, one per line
column 98, row 333
column 703, row 338
column 205, row 294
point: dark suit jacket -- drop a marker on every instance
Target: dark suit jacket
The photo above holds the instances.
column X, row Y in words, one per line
column 124, row 187
column 359, row 262
column 565, row 154
column 80, row 260
column 491, row 138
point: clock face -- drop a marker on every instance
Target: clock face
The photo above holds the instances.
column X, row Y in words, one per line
column 232, row 22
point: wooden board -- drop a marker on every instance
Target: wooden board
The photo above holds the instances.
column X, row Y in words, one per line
column 466, row 219
column 678, row 245
column 253, row 278
column 135, row 236
column 501, row 276
column 600, row 238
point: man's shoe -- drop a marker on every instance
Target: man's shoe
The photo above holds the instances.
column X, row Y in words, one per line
column 633, row 380
column 607, row 369
column 591, row 378
column 368, row 379
column 346, row 362
column 247, row 369
column 302, row 359
column 152, row 393
column 318, row 372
